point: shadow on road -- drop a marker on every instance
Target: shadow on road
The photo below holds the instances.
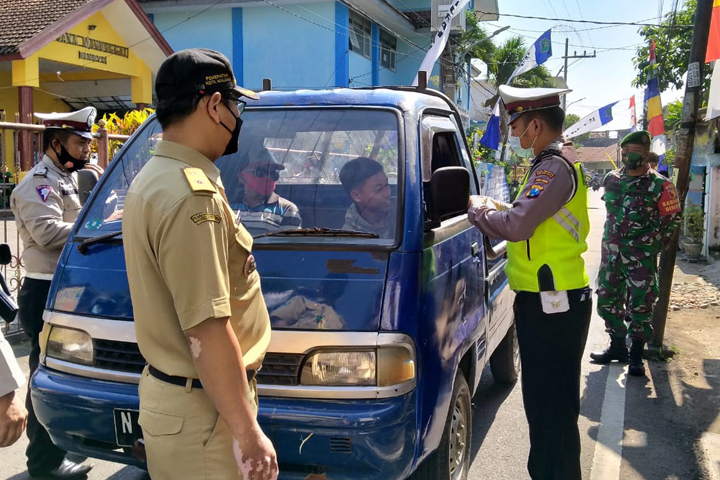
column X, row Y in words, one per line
column 664, row 420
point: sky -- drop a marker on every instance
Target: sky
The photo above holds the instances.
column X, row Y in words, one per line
column 597, row 81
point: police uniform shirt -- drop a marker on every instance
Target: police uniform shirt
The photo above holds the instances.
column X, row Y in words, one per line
column 557, row 180
column 188, row 260
column 11, row 377
column 45, row 204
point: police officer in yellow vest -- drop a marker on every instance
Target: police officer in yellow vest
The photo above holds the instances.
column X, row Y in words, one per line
column 546, row 227
column 200, row 318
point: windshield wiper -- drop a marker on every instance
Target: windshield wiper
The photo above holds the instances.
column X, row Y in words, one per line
column 83, row 246
column 321, row 232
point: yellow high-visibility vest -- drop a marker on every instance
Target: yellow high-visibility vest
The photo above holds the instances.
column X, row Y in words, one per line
column 552, row 258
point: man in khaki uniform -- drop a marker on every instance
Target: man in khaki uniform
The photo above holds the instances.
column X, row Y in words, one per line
column 46, row 204
column 200, row 318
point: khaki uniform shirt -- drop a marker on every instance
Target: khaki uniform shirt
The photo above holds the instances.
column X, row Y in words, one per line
column 46, row 205
column 188, row 260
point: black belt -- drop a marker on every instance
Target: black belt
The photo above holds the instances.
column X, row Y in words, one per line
column 182, row 381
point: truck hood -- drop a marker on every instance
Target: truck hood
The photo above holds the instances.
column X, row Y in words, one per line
column 303, row 289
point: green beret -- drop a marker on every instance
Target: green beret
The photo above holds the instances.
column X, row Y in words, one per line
column 641, row 137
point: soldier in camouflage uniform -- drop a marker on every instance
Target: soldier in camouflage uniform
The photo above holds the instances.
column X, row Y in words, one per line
column 643, row 211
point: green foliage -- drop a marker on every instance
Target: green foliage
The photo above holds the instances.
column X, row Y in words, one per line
column 127, row 125
column 672, row 115
column 672, row 50
column 506, row 57
column 695, row 223
column 482, row 153
column 570, row 120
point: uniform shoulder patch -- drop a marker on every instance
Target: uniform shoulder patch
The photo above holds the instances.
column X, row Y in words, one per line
column 200, row 218
column 198, row 181
column 669, row 202
column 44, row 192
column 545, row 173
column 534, row 191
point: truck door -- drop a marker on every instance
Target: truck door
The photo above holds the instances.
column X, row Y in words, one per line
column 453, row 260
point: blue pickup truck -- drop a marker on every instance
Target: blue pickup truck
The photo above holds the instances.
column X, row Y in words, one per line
column 378, row 343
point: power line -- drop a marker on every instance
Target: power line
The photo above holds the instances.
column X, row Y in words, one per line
column 595, row 22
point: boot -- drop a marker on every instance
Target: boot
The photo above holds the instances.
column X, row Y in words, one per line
column 636, row 358
column 616, row 351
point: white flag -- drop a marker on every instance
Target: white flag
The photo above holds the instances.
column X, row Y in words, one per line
column 588, row 123
column 441, row 38
column 713, row 108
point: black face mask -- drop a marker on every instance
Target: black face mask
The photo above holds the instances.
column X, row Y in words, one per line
column 65, row 157
column 234, row 143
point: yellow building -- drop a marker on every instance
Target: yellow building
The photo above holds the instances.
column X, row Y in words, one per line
column 66, row 54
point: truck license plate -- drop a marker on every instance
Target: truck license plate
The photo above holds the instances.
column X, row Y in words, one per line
column 127, row 429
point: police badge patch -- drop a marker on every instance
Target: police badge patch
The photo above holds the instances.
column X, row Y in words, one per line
column 44, row 192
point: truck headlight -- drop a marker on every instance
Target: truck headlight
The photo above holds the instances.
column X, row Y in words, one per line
column 70, row 345
column 382, row 367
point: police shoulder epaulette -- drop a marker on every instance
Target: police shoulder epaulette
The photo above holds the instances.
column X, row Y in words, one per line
column 41, row 172
column 198, row 181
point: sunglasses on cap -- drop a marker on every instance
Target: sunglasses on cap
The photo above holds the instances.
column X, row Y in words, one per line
column 260, row 172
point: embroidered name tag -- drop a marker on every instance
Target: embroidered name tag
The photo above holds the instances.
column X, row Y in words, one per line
column 200, row 218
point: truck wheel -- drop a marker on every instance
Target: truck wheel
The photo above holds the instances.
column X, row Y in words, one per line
column 451, row 461
column 505, row 361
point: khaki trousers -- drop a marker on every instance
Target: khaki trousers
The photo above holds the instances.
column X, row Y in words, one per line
column 185, row 437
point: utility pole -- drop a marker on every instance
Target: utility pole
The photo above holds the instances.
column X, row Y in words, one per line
column 685, row 143
column 565, row 68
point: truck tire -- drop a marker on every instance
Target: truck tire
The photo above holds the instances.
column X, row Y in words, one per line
column 451, row 461
column 505, row 360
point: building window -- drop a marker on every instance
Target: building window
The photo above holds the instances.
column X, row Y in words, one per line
column 360, row 35
column 388, row 50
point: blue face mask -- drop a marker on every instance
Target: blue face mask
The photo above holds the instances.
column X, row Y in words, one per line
column 517, row 147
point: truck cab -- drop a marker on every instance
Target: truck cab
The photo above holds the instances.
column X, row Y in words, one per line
column 378, row 340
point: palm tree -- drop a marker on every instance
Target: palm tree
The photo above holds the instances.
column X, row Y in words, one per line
column 505, row 58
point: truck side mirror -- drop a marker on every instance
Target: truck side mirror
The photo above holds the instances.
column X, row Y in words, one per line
column 450, row 192
column 87, row 179
column 5, row 254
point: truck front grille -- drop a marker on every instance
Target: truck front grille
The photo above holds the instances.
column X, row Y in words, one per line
column 118, row 356
column 278, row 368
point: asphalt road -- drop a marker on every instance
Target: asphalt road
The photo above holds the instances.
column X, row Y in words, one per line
column 500, row 437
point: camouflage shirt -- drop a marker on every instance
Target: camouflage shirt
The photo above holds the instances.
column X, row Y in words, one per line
column 642, row 212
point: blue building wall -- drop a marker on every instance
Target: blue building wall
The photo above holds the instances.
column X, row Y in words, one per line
column 404, row 5
column 293, row 52
column 307, row 48
column 212, row 29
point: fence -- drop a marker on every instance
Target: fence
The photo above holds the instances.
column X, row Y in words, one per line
column 24, row 142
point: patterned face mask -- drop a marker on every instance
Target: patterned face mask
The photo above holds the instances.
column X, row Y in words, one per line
column 633, row 160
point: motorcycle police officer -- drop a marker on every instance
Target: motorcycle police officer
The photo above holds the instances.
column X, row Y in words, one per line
column 46, row 203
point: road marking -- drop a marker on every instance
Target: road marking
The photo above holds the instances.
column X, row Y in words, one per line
column 608, row 448
column 711, row 444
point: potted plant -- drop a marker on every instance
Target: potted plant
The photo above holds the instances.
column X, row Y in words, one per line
column 695, row 231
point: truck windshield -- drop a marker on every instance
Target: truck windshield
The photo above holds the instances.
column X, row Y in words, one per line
column 315, row 170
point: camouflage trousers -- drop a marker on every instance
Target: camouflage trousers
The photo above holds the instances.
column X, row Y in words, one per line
column 629, row 285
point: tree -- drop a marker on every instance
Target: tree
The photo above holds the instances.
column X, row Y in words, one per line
column 672, row 50
column 506, row 57
column 672, row 115
column 570, row 120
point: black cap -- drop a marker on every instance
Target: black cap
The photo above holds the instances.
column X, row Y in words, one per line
column 197, row 70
